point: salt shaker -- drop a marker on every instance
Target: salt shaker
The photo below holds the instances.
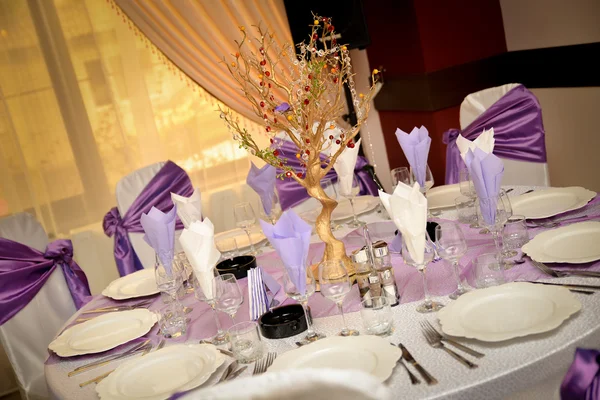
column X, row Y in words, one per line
column 383, row 265
column 367, row 279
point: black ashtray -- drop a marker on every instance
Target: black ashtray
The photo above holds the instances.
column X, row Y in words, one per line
column 282, row 322
column 238, row 266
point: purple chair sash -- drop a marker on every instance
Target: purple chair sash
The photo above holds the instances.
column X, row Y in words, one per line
column 292, row 194
column 582, row 380
column 25, row 270
column 170, row 178
column 518, row 131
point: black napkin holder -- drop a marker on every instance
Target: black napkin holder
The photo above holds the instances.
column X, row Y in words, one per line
column 282, row 322
column 238, row 266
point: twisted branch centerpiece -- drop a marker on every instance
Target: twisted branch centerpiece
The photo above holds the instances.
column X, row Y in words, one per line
column 300, row 95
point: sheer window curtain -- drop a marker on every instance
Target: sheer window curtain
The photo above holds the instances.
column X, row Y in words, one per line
column 85, row 100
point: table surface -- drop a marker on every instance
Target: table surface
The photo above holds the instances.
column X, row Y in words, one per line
column 509, row 369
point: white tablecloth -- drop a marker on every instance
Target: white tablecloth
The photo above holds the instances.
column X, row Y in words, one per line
column 526, row 368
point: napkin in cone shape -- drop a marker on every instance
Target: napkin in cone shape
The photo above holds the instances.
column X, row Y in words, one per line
column 262, row 180
column 189, row 209
column 198, row 243
column 408, row 209
column 485, row 142
column 290, row 237
column 344, row 166
column 486, row 172
column 415, row 146
column 159, row 229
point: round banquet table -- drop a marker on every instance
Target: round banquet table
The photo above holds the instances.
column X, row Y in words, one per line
column 530, row 367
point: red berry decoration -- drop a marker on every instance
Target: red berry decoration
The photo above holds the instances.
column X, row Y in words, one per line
column 300, row 174
column 262, row 103
column 309, row 76
column 269, row 85
column 262, row 83
column 342, row 135
column 337, row 141
column 276, row 153
column 351, row 144
column 315, row 36
column 288, row 174
column 330, row 137
column 263, row 62
column 267, row 73
column 307, row 152
column 331, row 28
column 306, row 126
column 306, row 101
column 307, row 88
column 271, row 140
column 274, row 120
column 268, row 129
column 264, row 116
column 307, row 140
column 335, row 80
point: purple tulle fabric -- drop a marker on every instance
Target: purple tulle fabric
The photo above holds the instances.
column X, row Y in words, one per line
column 25, row 270
column 291, row 193
column 582, row 381
column 170, row 178
column 518, row 131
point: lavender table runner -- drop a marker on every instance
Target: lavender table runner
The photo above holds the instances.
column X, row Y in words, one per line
column 441, row 281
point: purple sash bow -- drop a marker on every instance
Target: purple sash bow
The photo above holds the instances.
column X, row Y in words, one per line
column 25, row 270
column 518, row 131
column 292, row 194
column 582, row 380
column 170, row 178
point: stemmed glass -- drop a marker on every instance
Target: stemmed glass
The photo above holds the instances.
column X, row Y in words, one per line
column 335, row 285
column 293, row 292
column 465, row 183
column 245, row 219
column 168, row 281
column 428, row 305
column 503, row 209
column 428, row 184
column 227, row 294
column 207, row 296
column 350, row 193
column 275, row 211
column 330, row 190
column 400, row 174
column 451, row 246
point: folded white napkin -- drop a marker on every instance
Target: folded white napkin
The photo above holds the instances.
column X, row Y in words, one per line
column 408, row 209
column 344, row 165
column 485, row 142
column 198, row 243
column 189, row 209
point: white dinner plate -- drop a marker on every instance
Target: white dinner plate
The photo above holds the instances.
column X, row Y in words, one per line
column 103, row 332
column 162, row 373
column 576, row 244
column 241, row 238
column 370, row 354
column 138, row 284
column 442, row 196
column 507, row 311
column 550, row 202
column 362, row 204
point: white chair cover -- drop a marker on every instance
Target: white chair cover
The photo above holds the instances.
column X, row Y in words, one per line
column 128, row 189
column 26, row 336
column 298, row 384
column 515, row 172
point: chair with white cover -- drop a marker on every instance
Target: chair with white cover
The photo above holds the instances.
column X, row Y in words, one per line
column 298, row 384
column 516, row 172
column 26, row 336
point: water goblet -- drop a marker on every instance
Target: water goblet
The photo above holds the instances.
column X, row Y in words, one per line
column 400, row 174
column 275, row 212
column 466, row 183
column 168, row 280
column 245, row 219
column 451, row 246
column 492, row 213
column 301, row 293
column 350, row 192
column 335, row 285
column 228, row 247
column 514, row 236
column 204, row 293
column 465, row 208
column 427, row 182
column 227, row 294
column 420, row 262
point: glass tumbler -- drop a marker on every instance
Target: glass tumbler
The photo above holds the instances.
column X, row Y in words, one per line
column 246, row 343
column 376, row 314
column 172, row 321
column 489, row 271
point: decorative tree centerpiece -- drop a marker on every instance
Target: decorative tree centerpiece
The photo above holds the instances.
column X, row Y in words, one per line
column 302, row 95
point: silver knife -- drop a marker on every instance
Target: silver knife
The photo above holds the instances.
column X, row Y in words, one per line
column 104, row 361
column 569, row 285
column 228, row 371
column 408, row 357
column 235, row 374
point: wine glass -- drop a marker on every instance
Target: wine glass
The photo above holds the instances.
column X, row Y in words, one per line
column 245, row 219
column 301, row 295
column 428, row 305
column 275, row 211
column 466, row 183
column 204, row 293
column 350, row 192
column 228, row 247
column 335, row 285
column 227, row 294
column 168, row 280
column 427, row 184
column 492, row 213
column 400, row 174
column 451, row 246
column 331, row 191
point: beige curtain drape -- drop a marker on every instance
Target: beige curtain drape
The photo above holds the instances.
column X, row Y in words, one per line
column 196, row 34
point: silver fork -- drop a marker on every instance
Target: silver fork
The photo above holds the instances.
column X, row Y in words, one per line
column 264, row 363
column 434, row 332
column 559, row 274
column 436, row 343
